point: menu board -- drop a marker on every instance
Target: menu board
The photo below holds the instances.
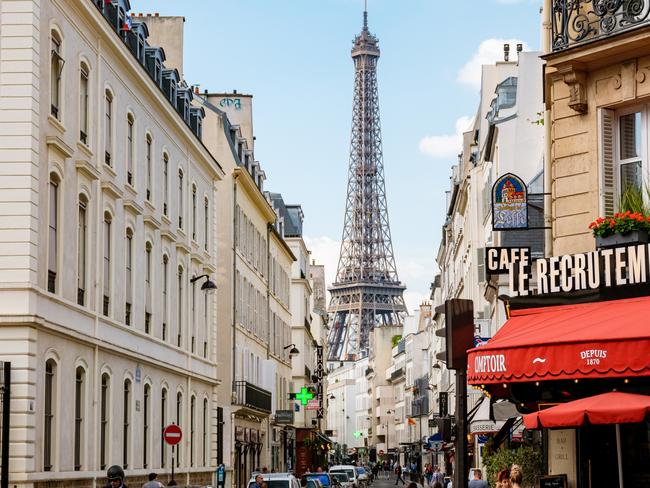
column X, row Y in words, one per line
column 554, row 481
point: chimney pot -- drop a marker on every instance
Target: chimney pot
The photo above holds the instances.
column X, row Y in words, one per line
column 506, row 52
column 234, row 92
column 520, row 47
column 140, row 14
column 156, row 14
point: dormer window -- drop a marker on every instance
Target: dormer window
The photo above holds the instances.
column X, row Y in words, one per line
column 507, row 93
column 157, row 74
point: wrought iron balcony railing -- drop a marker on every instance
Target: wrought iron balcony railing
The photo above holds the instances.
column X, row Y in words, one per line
column 251, row 396
column 576, row 22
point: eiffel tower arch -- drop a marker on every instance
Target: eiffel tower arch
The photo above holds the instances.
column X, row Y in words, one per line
column 367, row 292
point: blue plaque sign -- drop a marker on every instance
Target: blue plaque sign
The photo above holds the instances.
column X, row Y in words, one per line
column 509, row 203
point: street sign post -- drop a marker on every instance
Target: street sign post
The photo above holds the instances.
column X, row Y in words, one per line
column 221, row 476
column 172, row 435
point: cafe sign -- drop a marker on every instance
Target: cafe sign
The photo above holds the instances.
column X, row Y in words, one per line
column 509, row 203
column 570, row 273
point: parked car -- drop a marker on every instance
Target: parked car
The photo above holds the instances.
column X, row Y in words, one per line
column 325, row 479
column 340, row 479
column 276, row 480
column 350, row 470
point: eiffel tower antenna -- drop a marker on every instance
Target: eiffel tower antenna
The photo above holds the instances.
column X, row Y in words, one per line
column 367, row 292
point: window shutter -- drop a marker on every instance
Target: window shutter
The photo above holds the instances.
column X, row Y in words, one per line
column 607, row 164
column 480, row 264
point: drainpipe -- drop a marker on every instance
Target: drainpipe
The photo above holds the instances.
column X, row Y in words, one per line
column 548, row 166
column 235, row 467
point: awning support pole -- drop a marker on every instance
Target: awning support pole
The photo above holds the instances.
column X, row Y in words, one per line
column 619, row 455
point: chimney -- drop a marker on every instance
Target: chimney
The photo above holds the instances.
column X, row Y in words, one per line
column 196, row 89
column 506, row 52
column 234, row 92
column 520, row 48
column 156, row 14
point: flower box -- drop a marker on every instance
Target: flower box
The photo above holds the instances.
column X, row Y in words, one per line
column 615, row 240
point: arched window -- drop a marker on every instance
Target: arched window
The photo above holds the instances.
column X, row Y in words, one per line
column 192, row 425
column 126, row 423
column 179, row 422
column 180, row 198
column 106, row 304
column 49, row 415
column 129, row 276
column 147, row 279
column 206, row 223
column 108, row 127
column 148, row 156
column 146, row 404
column 53, row 234
column 194, row 212
column 179, row 337
column 165, row 183
column 206, row 330
column 79, row 414
column 130, row 122
column 56, row 70
column 165, row 296
column 84, row 73
column 104, row 415
column 82, row 246
column 163, row 424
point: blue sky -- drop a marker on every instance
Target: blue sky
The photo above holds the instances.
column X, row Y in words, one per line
column 294, row 57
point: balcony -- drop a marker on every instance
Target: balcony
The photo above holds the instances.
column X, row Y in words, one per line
column 577, row 22
column 252, row 397
column 398, row 373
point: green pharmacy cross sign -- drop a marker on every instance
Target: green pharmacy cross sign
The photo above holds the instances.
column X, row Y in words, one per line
column 304, row 396
column 357, row 434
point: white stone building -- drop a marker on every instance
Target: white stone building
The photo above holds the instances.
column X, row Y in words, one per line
column 108, row 209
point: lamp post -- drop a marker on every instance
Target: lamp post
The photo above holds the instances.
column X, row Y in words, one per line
column 388, row 412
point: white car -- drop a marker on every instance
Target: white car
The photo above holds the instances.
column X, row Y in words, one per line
column 348, row 469
column 276, row 480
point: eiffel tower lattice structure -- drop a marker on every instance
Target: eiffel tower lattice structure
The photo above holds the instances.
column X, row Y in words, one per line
column 367, row 292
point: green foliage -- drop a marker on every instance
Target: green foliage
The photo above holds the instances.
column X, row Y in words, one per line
column 528, row 458
column 395, row 339
column 632, row 200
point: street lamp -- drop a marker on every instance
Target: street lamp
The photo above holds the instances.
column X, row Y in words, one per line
column 208, row 286
column 388, row 413
column 294, row 350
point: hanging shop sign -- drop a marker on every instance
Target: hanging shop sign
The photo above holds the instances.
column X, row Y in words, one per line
column 509, row 203
column 320, row 413
column 570, row 273
column 312, row 404
column 499, row 259
column 284, row 416
column 443, row 402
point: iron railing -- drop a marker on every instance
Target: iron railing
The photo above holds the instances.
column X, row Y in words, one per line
column 576, row 22
column 397, row 373
column 251, row 396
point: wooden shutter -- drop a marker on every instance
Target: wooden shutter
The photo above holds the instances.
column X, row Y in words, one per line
column 480, row 264
column 607, row 163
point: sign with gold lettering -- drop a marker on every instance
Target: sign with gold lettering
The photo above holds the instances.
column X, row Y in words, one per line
column 509, row 203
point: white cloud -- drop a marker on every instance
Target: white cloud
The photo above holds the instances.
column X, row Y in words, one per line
column 446, row 145
column 489, row 52
column 325, row 251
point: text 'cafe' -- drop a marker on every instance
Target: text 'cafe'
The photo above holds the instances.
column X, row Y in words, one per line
column 574, row 359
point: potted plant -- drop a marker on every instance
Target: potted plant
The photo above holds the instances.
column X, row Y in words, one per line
column 623, row 228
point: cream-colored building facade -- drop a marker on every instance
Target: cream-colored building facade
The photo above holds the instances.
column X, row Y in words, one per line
column 108, row 207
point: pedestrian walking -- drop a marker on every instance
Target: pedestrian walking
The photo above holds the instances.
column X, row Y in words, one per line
column 115, row 475
column 259, row 481
column 153, row 483
column 428, row 473
column 398, row 472
column 438, row 476
column 503, row 478
column 478, row 481
column 516, row 476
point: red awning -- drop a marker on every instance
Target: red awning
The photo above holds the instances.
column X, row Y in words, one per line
column 587, row 340
column 609, row 408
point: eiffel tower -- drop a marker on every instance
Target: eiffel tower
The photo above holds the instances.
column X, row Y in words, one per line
column 367, row 292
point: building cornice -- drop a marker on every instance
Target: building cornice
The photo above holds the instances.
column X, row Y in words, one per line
column 246, row 182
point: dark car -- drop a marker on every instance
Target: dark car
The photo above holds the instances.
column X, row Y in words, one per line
column 324, row 478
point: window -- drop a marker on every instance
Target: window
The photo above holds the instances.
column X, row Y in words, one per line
column 53, row 244
column 145, row 425
column 83, row 103
column 56, row 70
column 179, row 422
column 148, row 169
column 147, row 278
column 204, row 444
column 507, row 93
column 165, row 294
column 79, row 394
column 206, row 332
column 194, row 212
column 129, row 149
column 107, row 264
column 192, row 421
column 630, row 152
column 180, row 199
column 206, row 223
column 108, row 127
column 193, row 315
column 126, row 423
column 103, row 420
column 163, row 424
column 129, row 276
column 165, row 183
column 180, row 307
column 49, row 412
column 82, row 230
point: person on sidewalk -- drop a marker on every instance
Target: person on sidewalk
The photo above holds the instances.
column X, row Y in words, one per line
column 478, row 482
column 153, row 483
column 115, row 475
column 516, row 476
column 398, row 472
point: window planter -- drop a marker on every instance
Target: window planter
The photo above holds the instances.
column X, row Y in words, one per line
column 615, row 240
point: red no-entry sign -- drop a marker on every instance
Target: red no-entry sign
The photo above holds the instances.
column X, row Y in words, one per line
column 172, row 434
